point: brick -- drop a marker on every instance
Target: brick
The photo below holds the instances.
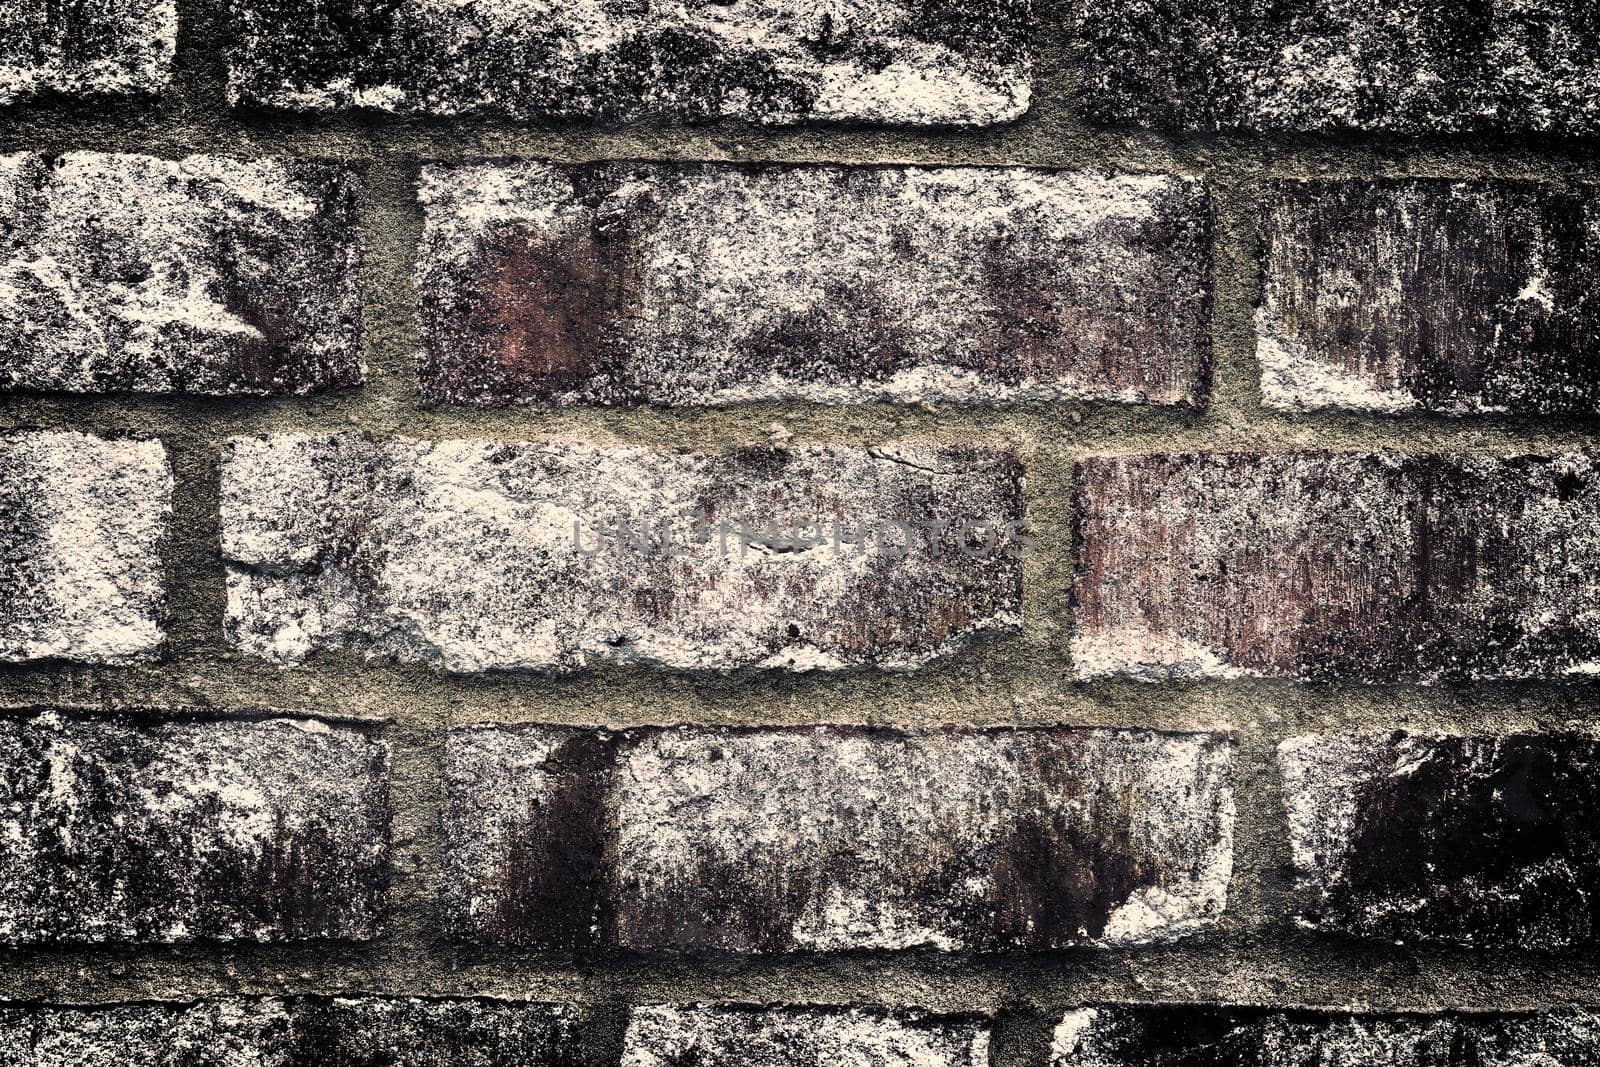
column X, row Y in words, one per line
column 715, row 284
column 1452, row 297
column 902, row 62
column 1370, row 567
column 83, row 528
column 1410, row 67
column 1206, row 1036
column 173, row 828
column 292, row 1032
column 737, row 1036
column 1472, row 840
column 483, row 555
column 205, row 275
column 109, row 47
column 781, row 840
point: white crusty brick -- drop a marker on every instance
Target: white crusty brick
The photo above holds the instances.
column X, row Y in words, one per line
column 1136, row 1035
column 835, row 838
column 667, row 1035
column 112, row 47
column 180, row 826
column 714, row 284
column 477, row 555
column 205, row 275
column 83, row 534
column 900, row 62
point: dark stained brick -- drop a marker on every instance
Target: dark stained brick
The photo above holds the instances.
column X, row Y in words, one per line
column 177, row 827
column 206, row 275
column 477, row 555
column 83, row 529
column 1477, row 840
column 1356, row 566
column 293, row 1032
column 713, row 284
column 1431, row 295
column 1205, row 1036
column 1406, row 66
column 696, row 1035
column 785, row 840
column 104, row 47
column 903, row 62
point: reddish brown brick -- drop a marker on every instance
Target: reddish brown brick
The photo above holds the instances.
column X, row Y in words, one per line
column 1366, row 567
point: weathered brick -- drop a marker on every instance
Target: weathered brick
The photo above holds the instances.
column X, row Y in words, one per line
column 479, row 555
column 175, row 827
column 1358, row 566
column 1206, row 1036
column 83, row 528
column 292, row 1032
column 737, row 1036
column 911, row 62
column 1412, row 66
column 1431, row 295
column 715, row 284
column 1475, row 840
column 834, row 838
column 115, row 47
column 205, row 275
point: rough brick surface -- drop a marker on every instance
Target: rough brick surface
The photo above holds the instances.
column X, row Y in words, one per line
column 83, row 528
column 292, row 1032
column 1473, row 840
column 478, row 555
column 735, row 1036
column 1184, row 1036
column 206, row 275
column 1366, row 567
column 694, row 284
column 834, row 838
column 1415, row 66
column 1431, row 295
column 102, row 47
column 149, row 828
column 913, row 62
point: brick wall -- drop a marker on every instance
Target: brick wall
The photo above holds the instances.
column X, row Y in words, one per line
column 907, row 533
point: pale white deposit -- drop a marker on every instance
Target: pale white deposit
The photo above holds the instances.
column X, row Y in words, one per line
column 725, row 1036
column 480, row 555
column 82, row 545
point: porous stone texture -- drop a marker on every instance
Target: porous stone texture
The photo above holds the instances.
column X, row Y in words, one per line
column 1439, row 296
column 1410, row 67
column 715, row 284
column 100, row 47
column 1474, row 840
column 834, row 838
column 172, row 828
column 781, row 1036
column 479, row 555
column 292, row 1032
column 1374, row 567
column 205, row 275
column 83, row 529
column 902, row 62
column 1206, row 1036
